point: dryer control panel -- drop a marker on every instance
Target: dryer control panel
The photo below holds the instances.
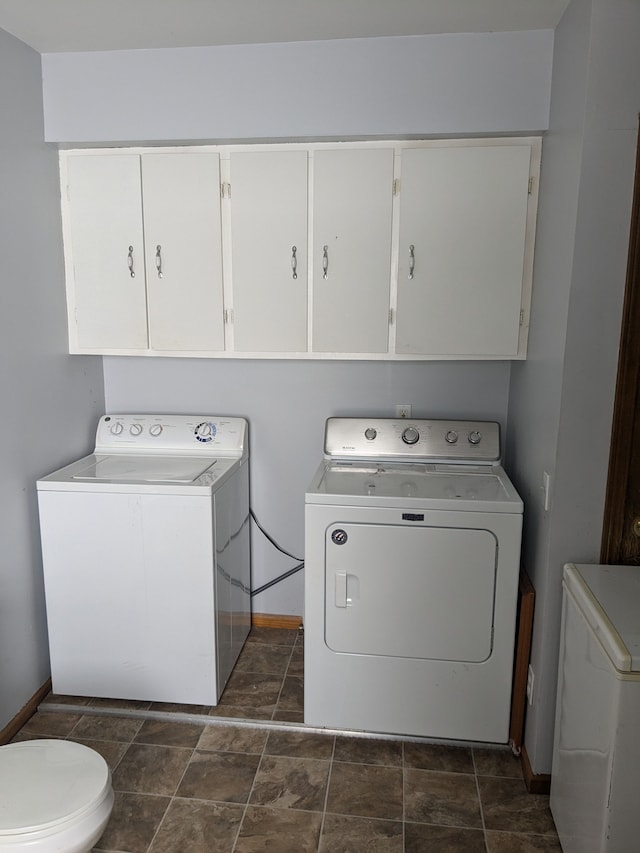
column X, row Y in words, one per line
column 423, row 439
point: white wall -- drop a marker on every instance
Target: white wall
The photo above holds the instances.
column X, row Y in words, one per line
column 561, row 399
column 469, row 84
column 50, row 399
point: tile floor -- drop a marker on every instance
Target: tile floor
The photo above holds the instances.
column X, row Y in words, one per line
column 187, row 782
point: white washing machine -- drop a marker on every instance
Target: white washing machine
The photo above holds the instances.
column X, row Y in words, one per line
column 412, row 557
column 596, row 754
column 145, row 546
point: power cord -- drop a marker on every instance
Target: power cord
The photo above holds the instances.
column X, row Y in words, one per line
column 282, row 550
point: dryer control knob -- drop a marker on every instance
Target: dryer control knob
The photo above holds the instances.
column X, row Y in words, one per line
column 411, row 435
column 135, row 429
column 155, row 429
column 117, row 428
column 475, row 437
column 370, row 433
column 451, row 437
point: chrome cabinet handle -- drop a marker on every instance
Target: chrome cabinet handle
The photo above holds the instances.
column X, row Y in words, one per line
column 294, row 261
column 325, row 261
column 159, row 260
column 130, row 262
column 412, row 260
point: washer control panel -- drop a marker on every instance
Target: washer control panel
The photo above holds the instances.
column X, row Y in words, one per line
column 390, row 438
column 172, row 434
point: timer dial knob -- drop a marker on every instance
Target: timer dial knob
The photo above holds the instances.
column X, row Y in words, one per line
column 205, row 431
column 370, row 433
column 135, row 429
column 117, row 428
column 475, row 437
column 155, row 429
column 411, row 435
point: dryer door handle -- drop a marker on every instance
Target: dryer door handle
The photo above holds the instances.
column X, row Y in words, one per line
column 341, row 589
column 347, row 589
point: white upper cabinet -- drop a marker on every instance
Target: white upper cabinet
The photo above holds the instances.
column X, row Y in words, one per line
column 104, row 254
column 268, row 211
column 143, row 252
column 183, row 250
column 352, row 213
column 407, row 250
column 461, row 250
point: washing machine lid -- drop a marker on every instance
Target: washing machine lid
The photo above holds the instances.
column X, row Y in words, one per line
column 46, row 782
column 609, row 598
column 430, row 486
column 145, row 474
column 125, row 468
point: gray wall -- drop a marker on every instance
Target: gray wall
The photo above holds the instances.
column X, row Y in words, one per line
column 561, row 399
column 464, row 84
column 51, row 400
column 558, row 402
column 286, row 403
column 446, row 84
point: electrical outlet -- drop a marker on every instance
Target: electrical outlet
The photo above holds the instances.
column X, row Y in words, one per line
column 546, row 490
column 530, row 681
column 403, row 410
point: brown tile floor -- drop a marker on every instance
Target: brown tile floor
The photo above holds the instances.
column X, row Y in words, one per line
column 185, row 785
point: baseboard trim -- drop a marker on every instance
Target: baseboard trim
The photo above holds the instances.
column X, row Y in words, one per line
column 273, row 620
column 25, row 713
column 537, row 783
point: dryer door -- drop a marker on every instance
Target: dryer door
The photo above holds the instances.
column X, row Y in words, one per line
column 414, row 592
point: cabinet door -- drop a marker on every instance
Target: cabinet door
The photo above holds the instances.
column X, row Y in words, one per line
column 352, row 210
column 183, row 246
column 463, row 219
column 269, row 250
column 105, row 253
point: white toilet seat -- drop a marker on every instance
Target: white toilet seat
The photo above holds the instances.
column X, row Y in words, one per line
column 54, row 795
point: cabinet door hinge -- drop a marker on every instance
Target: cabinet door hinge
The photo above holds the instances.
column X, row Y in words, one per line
column 390, row 316
column 522, row 316
column 225, row 190
column 396, row 186
column 228, row 316
column 530, row 185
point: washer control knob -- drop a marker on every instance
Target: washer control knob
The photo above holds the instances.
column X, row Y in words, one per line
column 155, row 429
column 205, row 432
column 135, row 429
column 475, row 437
column 451, row 437
column 411, row 435
column 370, row 433
column 117, row 428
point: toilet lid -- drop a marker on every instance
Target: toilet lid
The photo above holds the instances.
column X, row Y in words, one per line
column 44, row 782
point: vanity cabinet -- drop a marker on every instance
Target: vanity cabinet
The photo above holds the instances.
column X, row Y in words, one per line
column 405, row 250
column 143, row 252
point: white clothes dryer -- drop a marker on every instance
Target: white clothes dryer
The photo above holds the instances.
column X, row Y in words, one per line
column 412, row 557
column 145, row 546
